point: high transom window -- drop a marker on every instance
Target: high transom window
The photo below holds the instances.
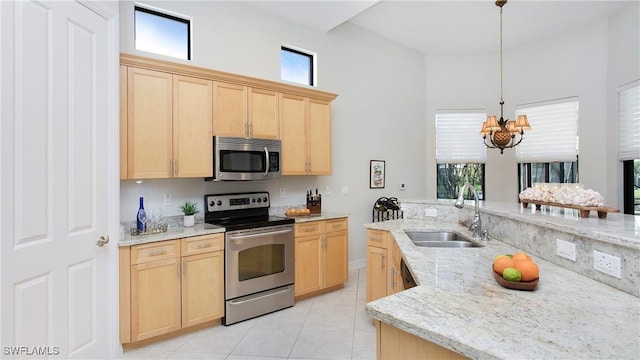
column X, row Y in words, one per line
column 297, row 65
column 162, row 33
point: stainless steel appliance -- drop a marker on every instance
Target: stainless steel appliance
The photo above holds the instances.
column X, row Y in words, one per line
column 245, row 159
column 259, row 261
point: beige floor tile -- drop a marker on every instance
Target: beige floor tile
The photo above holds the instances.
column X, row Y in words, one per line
column 267, row 342
column 323, row 344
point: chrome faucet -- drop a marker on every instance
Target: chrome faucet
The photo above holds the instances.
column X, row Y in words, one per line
column 476, row 224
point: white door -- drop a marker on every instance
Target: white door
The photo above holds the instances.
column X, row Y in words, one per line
column 58, row 110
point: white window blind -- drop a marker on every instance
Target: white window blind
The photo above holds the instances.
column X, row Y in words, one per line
column 629, row 121
column 554, row 132
column 458, row 137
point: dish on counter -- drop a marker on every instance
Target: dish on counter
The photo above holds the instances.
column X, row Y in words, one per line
column 516, row 285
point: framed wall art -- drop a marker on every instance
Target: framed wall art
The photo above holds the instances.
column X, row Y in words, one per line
column 376, row 174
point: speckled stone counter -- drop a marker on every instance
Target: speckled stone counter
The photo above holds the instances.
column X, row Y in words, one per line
column 459, row 305
column 321, row 216
column 174, row 232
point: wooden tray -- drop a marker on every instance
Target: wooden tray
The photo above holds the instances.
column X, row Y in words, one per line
column 584, row 210
column 516, row 285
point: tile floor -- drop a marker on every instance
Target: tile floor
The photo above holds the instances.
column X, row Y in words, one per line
column 329, row 326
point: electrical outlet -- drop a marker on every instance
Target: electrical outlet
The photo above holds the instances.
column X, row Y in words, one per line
column 167, row 199
column 345, row 190
column 327, row 191
column 606, row 263
column 283, row 192
column 431, row 212
column 566, row 249
column 403, row 186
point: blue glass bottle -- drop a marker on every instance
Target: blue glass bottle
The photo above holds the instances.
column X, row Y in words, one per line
column 142, row 217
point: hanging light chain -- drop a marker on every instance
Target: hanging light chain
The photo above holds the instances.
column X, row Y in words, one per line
column 501, row 67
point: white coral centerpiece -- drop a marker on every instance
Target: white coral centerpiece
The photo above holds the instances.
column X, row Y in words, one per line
column 567, row 195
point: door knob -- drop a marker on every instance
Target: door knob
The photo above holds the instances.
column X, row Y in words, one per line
column 102, row 241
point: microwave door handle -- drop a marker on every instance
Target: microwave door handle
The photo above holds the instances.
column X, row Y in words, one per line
column 266, row 152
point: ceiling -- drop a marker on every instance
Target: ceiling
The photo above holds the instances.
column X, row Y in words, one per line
column 448, row 27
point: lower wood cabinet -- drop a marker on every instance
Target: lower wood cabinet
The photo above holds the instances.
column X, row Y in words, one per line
column 169, row 285
column 393, row 343
column 321, row 253
column 383, row 265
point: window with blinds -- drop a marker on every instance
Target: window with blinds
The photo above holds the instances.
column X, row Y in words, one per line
column 460, row 152
column 554, row 132
column 629, row 121
column 457, row 137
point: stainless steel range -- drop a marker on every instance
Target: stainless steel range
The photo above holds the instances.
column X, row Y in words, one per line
column 259, row 261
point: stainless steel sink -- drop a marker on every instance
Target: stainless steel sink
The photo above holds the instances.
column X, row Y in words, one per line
column 449, row 239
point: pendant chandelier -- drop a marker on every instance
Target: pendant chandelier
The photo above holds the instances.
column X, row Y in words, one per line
column 501, row 134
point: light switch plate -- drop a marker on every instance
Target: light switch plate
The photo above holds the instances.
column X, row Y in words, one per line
column 566, row 249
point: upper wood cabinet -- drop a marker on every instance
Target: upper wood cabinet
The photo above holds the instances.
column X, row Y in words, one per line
column 170, row 111
column 168, row 125
column 241, row 111
column 305, row 125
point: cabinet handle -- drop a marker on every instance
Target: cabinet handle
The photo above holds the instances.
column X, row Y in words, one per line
column 175, row 171
column 246, row 129
column 250, row 129
column 393, row 278
column 157, row 252
column 383, row 261
column 202, row 246
column 171, row 167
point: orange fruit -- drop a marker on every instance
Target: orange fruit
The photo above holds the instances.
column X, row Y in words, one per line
column 502, row 263
column 520, row 256
column 528, row 269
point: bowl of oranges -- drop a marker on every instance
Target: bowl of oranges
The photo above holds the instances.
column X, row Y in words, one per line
column 517, row 271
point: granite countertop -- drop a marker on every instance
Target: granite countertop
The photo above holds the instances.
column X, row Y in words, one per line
column 177, row 231
column 459, row 305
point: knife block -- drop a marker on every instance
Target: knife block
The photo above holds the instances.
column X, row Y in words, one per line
column 314, row 204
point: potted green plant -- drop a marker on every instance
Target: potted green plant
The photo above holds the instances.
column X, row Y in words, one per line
column 189, row 209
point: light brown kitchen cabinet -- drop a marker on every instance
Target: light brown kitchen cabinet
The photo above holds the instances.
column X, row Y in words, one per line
column 242, row 111
column 393, row 343
column 170, row 285
column 321, row 253
column 168, row 125
column 305, row 131
column 383, row 265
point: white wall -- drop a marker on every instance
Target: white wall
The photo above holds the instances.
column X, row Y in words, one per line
column 379, row 112
column 622, row 68
column 579, row 63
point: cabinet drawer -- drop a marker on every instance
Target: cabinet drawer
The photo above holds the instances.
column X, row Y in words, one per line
column 377, row 238
column 202, row 244
column 155, row 251
column 336, row 224
column 309, row 228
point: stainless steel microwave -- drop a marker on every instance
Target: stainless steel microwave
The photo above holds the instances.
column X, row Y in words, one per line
column 246, row 159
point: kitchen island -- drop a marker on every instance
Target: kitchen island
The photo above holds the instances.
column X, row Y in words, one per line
column 458, row 305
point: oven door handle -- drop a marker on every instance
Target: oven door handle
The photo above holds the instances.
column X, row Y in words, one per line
column 266, row 171
column 270, row 233
column 236, row 302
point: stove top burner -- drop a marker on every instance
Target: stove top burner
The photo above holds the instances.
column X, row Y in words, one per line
column 239, row 211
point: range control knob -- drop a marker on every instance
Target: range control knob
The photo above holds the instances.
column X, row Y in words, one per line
column 219, row 202
column 211, row 203
column 253, row 200
column 259, row 200
column 264, row 199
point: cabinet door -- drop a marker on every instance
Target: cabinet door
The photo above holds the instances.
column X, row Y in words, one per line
column 123, row 122
column 192, row 121
column 229, row 110
column 263, row 114
column 308, row 261
column 376, row 273
column 202, row 288
column 149, row 124
column 394, row 283
column 293, row 134
column 336, row 258
column 155, row 298
column 319, row 137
